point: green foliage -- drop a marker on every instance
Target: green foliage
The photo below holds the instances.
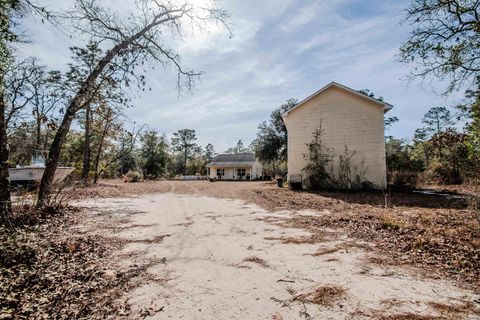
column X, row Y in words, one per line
column 323, row 172
column 404, row 162
column 276, row 120
column 400, row 156
column 270, row 146
column 154, row 153
column 436, row 121
column 9, row 9
column 209, row 152
column 238, row 149
column 470, row 113
column 184, row 142
column 132, row 176
column 388, row 123
column 370, row 94
column 196, row 166
column 21, row 141
column 72, row 152
column 449, row 150
column 319, row 158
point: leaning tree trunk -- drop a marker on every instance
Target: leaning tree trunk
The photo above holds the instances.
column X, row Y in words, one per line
column 5, row 201
column 38, row 123
column 86, row 147
column 81, row 100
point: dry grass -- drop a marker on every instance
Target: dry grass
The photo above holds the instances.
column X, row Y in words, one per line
column 257, row 260
column 325, row 251
column 324, row 296
column 466, row 307
column 388, row 221
column 156, row 239
column 315, row 238
column 440, row 234
column 409, row 316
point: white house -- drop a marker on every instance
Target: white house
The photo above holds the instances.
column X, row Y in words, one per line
column 234, row 167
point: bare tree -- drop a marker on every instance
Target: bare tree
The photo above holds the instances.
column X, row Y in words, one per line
column 109, row 120
column 445, row 41
column 133, row 40
column 10, row 12
column 18, row 93
column 128, row 142
column 5, row 202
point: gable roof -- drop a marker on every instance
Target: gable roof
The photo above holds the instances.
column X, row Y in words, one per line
column 228, row 160
column 386, row 106
column 226, row 157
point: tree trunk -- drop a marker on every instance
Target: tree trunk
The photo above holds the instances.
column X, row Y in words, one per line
column 86, row 147
column 38, row 122
column 99, row 153
column 38, row 144
column 185, row 162
column 51, row 164
column 5, row 201
column 81, row 100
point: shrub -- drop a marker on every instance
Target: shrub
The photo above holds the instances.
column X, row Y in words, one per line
column 321, row 172
column 132, row 176
column 403, row 179
column 348, row 176
column 319, row 158
column 443, row 174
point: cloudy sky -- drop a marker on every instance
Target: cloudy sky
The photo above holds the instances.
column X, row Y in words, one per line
column 280, row 49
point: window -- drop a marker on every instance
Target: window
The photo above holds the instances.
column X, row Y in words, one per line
column 220, row 172
column 241, row 172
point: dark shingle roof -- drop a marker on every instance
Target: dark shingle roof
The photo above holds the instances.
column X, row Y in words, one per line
column 247, row 157
column 233, row 160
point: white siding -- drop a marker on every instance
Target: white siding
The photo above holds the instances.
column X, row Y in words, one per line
column 346, row 119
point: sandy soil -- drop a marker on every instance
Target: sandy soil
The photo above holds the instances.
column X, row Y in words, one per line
column 205, row 257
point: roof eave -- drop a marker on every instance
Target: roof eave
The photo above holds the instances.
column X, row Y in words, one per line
column 387, row 107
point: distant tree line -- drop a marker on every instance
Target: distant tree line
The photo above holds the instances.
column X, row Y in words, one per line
column 38, row 106
column 444, row 45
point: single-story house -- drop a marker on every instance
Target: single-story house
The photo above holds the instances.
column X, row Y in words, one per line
column 347, row 118
column 234, row 167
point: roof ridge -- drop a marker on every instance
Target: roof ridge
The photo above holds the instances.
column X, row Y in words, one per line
column 387, row 106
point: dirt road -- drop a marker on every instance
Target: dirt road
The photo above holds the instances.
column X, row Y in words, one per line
column 211, row 258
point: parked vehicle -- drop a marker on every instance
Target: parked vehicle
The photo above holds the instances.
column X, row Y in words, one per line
column 31, row 175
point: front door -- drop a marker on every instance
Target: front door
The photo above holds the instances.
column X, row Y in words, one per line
column 241, row 174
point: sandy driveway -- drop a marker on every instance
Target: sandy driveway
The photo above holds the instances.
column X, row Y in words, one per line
column 209, row 258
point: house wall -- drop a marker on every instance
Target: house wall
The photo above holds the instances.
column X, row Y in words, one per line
column 257, row 170
column 231, row 173
column 346, row 119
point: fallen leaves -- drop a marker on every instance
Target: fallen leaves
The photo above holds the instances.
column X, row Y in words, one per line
column 437, row 233
column 49, row 271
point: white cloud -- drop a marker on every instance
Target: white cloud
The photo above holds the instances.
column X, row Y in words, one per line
column 280, row 49
column 311, row 12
